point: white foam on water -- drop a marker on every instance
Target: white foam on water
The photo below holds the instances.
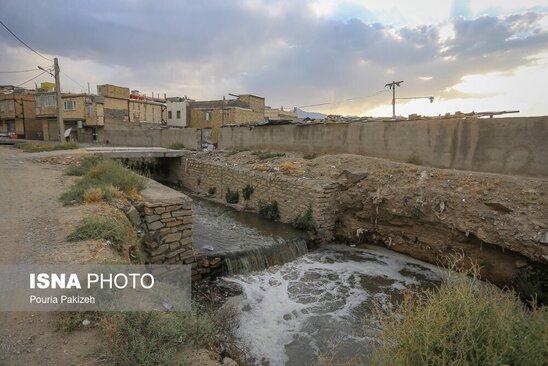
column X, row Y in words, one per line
column 282, row 300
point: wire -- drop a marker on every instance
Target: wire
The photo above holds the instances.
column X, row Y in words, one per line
column 20, row 40
column 42, row 73
column 15, row 72
column 345, row 100
column 74, row 81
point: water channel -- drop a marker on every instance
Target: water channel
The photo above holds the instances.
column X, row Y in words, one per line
column 299, row 305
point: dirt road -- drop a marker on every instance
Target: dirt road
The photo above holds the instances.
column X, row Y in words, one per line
column 33, row 228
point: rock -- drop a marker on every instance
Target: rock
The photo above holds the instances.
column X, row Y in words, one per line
column 229, row 361
column 353, row 177
column 497, row 206
column 86, row 322
column 542, row 237
column 520, row 263
column 133, row 216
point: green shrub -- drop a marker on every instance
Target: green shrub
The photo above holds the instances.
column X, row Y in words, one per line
column 154, row 338
column 247, row 191
column 267, row 154
column 212, row 190
column 463, row 322
column 103, row 227
column 176, row 146
column 232, row 196
column 304, row 221
column 269, row 210
column 66, row 146
column 103, row 175
column 531, row 283
column 82, row 168
column 310, row 156
column 40, row 147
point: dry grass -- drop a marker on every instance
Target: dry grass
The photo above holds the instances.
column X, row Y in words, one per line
column 463, row 322
column 93, row 194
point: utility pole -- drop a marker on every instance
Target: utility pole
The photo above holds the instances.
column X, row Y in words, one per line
column 392, row 86
column 59, row 101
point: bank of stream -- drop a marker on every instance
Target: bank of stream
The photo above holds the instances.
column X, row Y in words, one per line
column 298, row 305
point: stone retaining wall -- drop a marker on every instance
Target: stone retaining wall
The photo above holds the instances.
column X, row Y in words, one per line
column 294, row 195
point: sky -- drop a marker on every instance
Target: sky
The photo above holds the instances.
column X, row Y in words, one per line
column 327, row 56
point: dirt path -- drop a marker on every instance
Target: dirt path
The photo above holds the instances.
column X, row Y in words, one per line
column 33, row 228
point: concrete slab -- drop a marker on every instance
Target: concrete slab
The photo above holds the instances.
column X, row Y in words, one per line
column 135, row 152
column 158, row 193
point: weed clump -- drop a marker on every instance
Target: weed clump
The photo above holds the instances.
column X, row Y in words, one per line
column 463, row 322
column 305, row 221
column 247, row 191
column 34, row 147
column 263, row 155
column 176, row 146
column 310, row 156
column 155, row 338
column 104, row 175
column 232, row 196
column 269, row 210
column 212, row 190
column 103, row 227
column 82, row 168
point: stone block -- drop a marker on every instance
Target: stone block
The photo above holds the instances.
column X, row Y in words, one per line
column 152, row 218
column 187, row 219
column 162, row 249
column 181, row 213
column 166, row 215
column 169, row 238
column 155, row 226
column 133, row 216
column 159, row 210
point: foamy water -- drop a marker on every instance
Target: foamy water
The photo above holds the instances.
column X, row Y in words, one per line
column 323, row 303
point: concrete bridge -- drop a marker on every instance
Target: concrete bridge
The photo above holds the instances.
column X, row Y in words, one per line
column 135, row 152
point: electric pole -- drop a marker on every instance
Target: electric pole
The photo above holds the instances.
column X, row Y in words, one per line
column 392, row 86
column 59, row 101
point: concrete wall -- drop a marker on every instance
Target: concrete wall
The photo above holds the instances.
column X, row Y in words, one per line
column 515, row 145
column 133, row 134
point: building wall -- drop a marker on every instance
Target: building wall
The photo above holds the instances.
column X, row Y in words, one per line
column 116, row 110
column 515, row 145
column 177, row 106
column 148, row 112
column 17, row 109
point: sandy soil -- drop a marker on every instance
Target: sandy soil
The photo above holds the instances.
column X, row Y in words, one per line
column 33, row 227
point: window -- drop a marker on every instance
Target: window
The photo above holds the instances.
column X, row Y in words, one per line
column 207, row 116
column 90, row 110
column 50, row 101
column 38, row 100
column 178, row 114
column 10, row 106
column 70, row 105
column 169, row 115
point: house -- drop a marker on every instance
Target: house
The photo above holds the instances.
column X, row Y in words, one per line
column 17, row 113
column 178, row 111
column 212, row 115
column 273, row 114
column 82, row 113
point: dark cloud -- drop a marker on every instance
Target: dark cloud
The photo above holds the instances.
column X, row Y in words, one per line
column 287, row 54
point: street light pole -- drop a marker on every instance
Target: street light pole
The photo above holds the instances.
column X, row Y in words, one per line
column 59, row 101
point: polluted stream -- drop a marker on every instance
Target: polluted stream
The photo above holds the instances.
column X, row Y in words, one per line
column 301, row 306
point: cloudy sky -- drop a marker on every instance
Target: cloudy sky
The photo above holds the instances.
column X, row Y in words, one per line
column 471, row 55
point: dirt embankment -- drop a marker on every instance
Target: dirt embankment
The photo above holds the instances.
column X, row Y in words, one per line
column 498, row 221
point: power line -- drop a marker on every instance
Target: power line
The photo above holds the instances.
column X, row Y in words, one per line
column 345, row 100
column 42, row 73
column 16, row 72
column 26, row 45
column 74, row 81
